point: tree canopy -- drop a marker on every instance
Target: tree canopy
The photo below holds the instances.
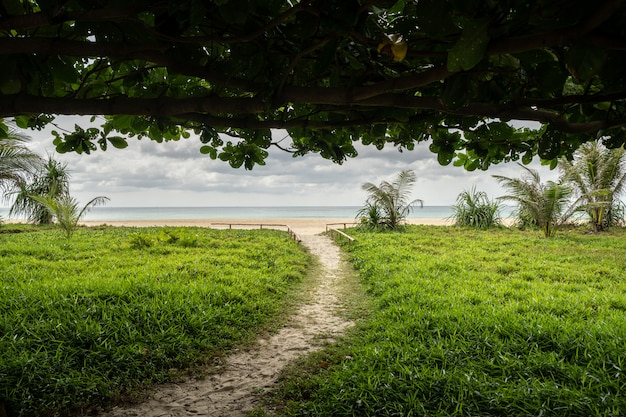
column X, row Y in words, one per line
column 451, row 73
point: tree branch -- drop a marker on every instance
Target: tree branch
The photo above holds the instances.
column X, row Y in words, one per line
column 41, row 19
column 529, row 115
column 158, row 107
column 204, row 110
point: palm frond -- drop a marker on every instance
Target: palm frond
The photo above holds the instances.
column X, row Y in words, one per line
column 391, row 199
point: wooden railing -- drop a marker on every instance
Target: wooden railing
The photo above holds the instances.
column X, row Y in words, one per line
column 289, row 231
column 344, row 224
column 336, row 233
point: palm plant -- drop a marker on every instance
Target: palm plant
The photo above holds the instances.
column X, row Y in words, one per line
column 17, row 161
column 599, row 176
column 474, row 209
column 388, row 204
column 370, row 216
column 53, row 179
column 64, row 208
column 543, row 205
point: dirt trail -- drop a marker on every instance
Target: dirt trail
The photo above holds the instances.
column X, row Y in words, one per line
column 248, row 374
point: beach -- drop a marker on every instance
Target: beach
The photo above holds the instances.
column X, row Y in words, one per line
column 301, row 226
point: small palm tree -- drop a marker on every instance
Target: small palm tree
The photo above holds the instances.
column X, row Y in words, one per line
column 389, row 202
column 545, row 206
column 64, row 209
column 599, row 176
column 370, row 216
column 53, row 179
column 474, row 209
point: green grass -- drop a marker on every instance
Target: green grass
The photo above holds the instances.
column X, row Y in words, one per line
column 468, row 322
column 113, row 311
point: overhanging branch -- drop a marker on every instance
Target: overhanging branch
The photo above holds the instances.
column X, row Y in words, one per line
column 208, row 110
column 158, row 107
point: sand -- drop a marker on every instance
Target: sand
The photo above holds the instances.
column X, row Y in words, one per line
column 303, row 226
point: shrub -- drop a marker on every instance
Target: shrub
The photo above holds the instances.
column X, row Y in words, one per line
column 474, row 209
column 388, row 204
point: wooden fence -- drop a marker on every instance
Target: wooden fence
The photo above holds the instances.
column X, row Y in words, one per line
column 336, row 233
column 288, row 229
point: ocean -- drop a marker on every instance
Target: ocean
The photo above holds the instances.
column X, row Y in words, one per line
column 287, row 212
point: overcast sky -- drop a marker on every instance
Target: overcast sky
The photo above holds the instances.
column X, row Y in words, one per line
column 176, row 174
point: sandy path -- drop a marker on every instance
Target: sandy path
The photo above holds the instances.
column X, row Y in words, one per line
column 248, row 374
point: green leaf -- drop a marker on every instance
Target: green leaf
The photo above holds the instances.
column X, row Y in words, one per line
column 63, row 70
column 4, row 129
column 584, row 62
column 549, row 144
column 471, row 46
column 398, row 7
column 444, row 157
column 22, row 121
column 472, row 164
column 118, row 142
column 461, row 160
column 500, row 131
column 209, row 150
column 139, row 124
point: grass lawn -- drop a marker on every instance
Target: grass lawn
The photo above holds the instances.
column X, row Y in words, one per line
column 97, row 318
column 477, row 323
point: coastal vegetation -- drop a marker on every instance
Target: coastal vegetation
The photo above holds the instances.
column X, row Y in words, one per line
column 52, row 179
column 543, row 205
column 40, row 190
column 599, row 178
column 388, row 204
column 86, row 322
column 473, row 208
column 17, row 162
column 476, row 322
column 65, row 210
column 591, row 183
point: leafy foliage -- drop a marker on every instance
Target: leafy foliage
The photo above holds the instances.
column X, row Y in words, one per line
column 370, row 216
column 546, row 206
column 65, row 210
column 329, row 72
column 17, row 162
column 474, row 209
column 599, row 176
column 53, row 179
column 388, row 204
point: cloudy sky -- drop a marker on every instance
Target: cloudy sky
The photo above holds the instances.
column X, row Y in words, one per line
column 176, row 174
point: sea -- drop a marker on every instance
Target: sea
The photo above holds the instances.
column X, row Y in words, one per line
column 285, row 212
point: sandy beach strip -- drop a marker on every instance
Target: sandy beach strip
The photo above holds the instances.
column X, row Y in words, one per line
column 302, row 226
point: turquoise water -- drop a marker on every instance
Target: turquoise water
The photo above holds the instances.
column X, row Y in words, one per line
column 308, row 212
column 321, row 212
column 167, row 213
